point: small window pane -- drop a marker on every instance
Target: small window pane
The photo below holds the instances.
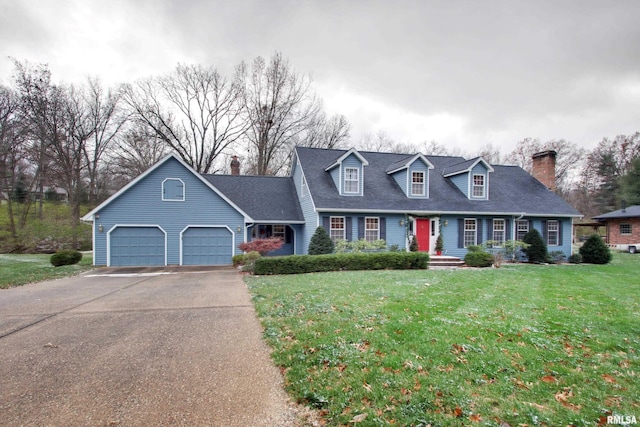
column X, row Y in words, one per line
column 625, row 229
column 371, row 229
column 523, row 228
column 498, row 231
column 417, row 184
column 478, row 185
column 469, row 232
column 337, row 228
column 552, row 233
column 351, row 180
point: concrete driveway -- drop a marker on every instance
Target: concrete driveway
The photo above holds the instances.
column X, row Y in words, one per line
column 158, row 348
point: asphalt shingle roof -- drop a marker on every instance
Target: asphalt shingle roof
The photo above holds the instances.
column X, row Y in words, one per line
column 511, row 189
column 630, row 212
column 264, row 198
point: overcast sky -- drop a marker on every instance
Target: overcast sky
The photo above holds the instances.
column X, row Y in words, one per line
column 463, row 73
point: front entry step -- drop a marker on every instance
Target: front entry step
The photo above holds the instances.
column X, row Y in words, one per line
column 437, row 261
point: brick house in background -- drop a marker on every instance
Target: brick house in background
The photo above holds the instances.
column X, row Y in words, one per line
column 623, row 228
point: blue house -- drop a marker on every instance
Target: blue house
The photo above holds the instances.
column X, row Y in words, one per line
column 171, row 215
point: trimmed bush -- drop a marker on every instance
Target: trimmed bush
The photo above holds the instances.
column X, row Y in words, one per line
column 575, row 259
column 297, row 264
column 238, row 260
column 320, row 242
column 595, row 251
column 262, row 246
column 66, row 257
column 478, row 258
column 537, row 250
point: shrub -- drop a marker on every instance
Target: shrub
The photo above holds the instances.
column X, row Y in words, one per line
column 262, row 246
column 66, row 257
column 413, row 246
column 537, row 250
column 238, row 260
column 575, row 259
column 250, row 259
column 478, row 258
column 475, row 248
column 320, row 242
column 557, row 256
column 297, row 264
column 361, row 245
column 595, row 251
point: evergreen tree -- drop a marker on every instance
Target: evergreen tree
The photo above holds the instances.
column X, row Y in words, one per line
column 320, row 242
column 595, row 251
column 537, row 251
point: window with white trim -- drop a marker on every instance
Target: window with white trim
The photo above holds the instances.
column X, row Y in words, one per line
column 337, row 231
column 553, row 233
column 278, row 231
column 625, row 229
column 351, row 180
column 470, row 234
column 522, row 228
column 371, row 229
column 478, row 186
column 173, row 190
column 498, row 232
column 417, row 183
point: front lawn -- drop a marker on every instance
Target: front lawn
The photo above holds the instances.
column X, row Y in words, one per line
column 523, row 345
column 16, row 270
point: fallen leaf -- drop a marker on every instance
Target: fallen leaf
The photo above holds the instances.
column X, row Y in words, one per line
column 548, row 379
column 609, row 378
column 475, row 418
column 457, row 412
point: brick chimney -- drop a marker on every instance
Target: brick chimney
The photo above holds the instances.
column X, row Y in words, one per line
column 544, row 168
column 235, row 166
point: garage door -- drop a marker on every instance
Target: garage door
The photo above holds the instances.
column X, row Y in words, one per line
column 137, row 246
column 207, row 246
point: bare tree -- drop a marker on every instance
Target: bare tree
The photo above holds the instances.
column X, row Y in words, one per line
column 279, row 106
column 194, row 110
column 138, row 148
column 381, row 142
column 568, row 160
column 332, row 132
column 490, row 153
column 107, row 119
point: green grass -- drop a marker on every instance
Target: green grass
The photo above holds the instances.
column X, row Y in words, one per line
column 523, row 345
column 16, row 270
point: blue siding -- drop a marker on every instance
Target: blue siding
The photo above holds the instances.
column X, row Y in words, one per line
column 311, row 219
column 450, row 232
column 462, row 182
column 142, row 204
column 400, row 178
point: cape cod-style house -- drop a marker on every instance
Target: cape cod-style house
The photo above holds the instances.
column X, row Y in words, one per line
column 172, row 215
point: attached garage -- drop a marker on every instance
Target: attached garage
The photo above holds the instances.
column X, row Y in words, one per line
column 207, row 246
column 137, row 246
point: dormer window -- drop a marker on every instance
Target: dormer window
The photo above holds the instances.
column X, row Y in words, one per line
column 479, row 186
column 351, row 180
column 417, row 183
column 173, row 190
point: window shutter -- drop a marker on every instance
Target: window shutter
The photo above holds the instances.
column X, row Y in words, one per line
column 461, row 233
column 490, row 229
column 349, row 228
column 507, row 230
column 530, row 225
column 383, row 228
column 545, row 232
column 360, row 227
column 326, row 224
column 479, row 231
column 559, row 233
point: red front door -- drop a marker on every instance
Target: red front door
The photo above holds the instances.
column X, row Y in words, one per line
column 423, row 233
